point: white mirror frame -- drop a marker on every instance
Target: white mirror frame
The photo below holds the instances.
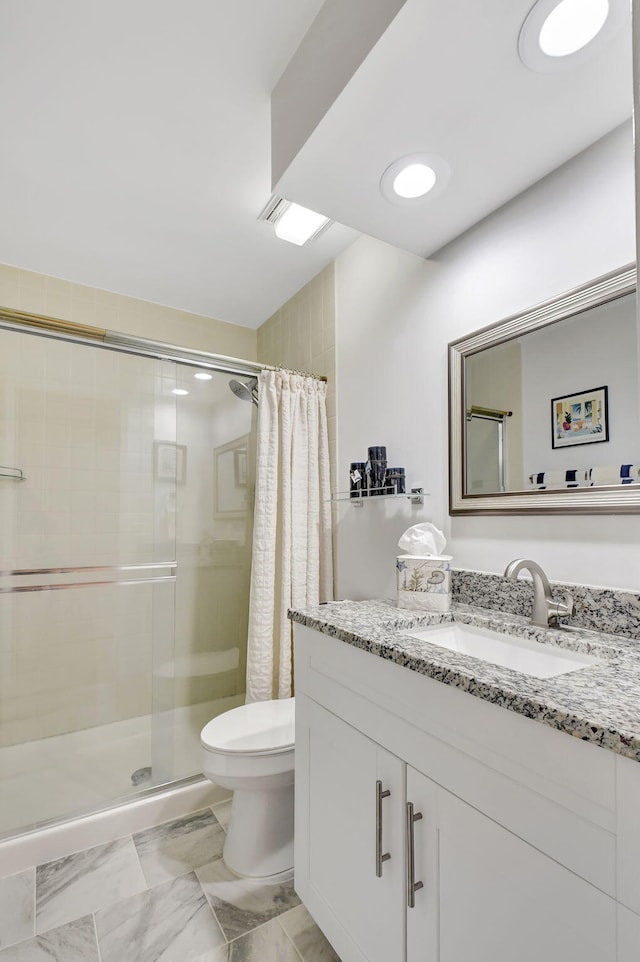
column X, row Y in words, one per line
column 611, row 499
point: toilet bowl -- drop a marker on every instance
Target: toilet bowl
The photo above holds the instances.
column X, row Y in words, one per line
column 250, row 750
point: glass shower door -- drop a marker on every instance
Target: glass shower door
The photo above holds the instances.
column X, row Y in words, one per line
column 215, row 432
column 484, row 454
column 88, row 561
column 124, row 571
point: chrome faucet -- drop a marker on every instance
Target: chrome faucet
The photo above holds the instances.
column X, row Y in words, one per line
column 546, row 611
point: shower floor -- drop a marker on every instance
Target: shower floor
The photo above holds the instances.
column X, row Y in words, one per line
column 80, row 772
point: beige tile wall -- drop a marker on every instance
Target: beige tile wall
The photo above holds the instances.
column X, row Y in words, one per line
column 39, row 294
column 301, row 335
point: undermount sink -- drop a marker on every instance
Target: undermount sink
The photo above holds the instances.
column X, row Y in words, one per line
column 508, row 651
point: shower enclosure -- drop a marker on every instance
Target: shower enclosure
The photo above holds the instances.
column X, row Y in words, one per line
column 485, row 450
column 126, row 496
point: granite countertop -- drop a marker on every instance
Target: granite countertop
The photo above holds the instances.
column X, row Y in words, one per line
column 599, row 704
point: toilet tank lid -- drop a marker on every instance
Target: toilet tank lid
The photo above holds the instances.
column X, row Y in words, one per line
column 264, row 726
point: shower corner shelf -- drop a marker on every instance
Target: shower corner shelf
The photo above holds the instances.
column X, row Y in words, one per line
column 416, row 496
column 11, row 474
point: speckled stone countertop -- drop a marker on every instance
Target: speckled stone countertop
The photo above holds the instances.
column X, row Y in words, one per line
column 599, row 704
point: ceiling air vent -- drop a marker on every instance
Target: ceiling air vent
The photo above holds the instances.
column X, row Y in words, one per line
column 292, row 222
column 273, row 209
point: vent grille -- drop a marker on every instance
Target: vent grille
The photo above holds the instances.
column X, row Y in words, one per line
column 277, row 206
column 273, row 209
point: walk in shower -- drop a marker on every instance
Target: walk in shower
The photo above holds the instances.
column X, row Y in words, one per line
column 126, row 494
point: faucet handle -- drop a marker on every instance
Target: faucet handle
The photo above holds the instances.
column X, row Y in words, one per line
column 559, row 609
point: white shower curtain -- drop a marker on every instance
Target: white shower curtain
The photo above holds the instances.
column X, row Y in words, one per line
column 292, row 564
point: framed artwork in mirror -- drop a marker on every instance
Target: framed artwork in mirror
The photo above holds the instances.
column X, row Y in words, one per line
column 580, row 418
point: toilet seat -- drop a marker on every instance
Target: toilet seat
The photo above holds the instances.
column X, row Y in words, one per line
column 261, row 728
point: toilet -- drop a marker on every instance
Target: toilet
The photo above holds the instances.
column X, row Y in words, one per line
column 250, row 750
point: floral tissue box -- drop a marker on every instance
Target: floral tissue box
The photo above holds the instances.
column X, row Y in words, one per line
column 424, row 584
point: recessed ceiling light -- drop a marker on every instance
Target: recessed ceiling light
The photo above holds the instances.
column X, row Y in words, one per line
column 414, row 180
column 414, row 177
column 179, row 390
column 561, row 33
column 299, row 224
column 571, row 25
column 203, row 376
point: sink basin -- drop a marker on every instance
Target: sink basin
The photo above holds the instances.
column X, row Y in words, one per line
column 508, row 651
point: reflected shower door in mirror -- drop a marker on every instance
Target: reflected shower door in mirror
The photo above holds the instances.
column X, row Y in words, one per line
column 484, row 440
column 545, row 406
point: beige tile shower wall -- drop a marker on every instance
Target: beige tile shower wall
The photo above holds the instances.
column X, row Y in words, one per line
column 39, row 294
column 301, row 335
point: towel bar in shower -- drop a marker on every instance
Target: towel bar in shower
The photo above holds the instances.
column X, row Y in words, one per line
column 11, row 474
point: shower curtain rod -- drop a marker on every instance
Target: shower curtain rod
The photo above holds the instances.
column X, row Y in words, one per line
column 130, row 344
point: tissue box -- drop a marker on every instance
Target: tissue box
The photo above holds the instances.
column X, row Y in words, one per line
column 424, row 584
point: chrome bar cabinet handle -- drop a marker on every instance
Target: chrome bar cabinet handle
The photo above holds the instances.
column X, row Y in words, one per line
column 412, row 885
column 380, row 858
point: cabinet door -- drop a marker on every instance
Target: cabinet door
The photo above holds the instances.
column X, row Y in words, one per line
column 361, row 913
column 501, row 899
column 422, row 845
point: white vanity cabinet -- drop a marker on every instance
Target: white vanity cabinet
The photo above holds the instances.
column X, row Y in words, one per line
column 498, row 898
column 340, row 852
column 515, row 843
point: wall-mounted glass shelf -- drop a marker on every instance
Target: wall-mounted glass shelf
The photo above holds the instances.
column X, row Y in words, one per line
column 358, row 498
column 11, row 474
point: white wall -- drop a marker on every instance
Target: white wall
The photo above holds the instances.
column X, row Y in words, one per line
column 395, row 315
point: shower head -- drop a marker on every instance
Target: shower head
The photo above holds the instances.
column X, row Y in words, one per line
column 246, row 391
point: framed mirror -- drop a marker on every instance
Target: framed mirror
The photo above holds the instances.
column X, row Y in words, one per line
column 544, row 407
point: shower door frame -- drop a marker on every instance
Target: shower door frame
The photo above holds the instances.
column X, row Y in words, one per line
column 42, row 326
column 106, row 339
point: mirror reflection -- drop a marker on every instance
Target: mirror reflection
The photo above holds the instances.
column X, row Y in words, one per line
column 545, row 406
column 230, row 478
column 557, row 407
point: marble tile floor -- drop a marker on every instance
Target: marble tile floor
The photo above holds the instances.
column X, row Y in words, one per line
column 67, row 775
column 162, row 894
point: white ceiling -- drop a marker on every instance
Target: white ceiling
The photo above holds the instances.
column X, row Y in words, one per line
column 136, row 138
column 136, row 149
column 446, row 79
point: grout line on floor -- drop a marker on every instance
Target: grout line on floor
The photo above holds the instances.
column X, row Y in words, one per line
column 213, row 812
column 139, row 861
column 95, row 932
column 288, row 937
column 33, row 926
column 217, row 920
